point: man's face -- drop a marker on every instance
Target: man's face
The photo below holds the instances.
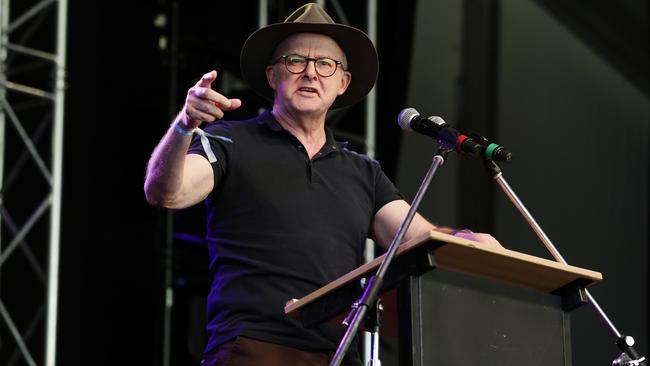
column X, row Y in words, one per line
column 307, row 92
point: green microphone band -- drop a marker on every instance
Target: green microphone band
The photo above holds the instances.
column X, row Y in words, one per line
column 490, row 150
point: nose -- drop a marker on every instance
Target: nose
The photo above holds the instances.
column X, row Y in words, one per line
column 310, row 71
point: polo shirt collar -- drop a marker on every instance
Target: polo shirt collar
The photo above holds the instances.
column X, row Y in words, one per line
column 331, row 144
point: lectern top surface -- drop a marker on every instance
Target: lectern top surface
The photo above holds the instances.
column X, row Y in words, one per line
column 466, row 256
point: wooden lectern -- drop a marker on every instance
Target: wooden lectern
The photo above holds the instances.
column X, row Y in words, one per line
column 463, row 304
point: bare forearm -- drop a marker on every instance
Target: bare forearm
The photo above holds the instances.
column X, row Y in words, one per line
column 164, row 178
column 175, row 179
column 389, row 218
column 418, row 226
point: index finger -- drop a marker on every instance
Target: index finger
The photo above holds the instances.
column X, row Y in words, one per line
column 207, row 79
column 210, row 95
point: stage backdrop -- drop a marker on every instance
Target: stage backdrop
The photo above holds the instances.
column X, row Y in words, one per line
column 579, row 133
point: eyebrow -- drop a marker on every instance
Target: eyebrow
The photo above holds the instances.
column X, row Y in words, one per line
column 305, row 56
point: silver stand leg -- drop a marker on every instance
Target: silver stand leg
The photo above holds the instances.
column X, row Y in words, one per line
column 625, row 343
column 374, row 346
column 374, row 320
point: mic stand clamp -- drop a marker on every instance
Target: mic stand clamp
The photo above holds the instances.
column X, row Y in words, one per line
column 624, row 360
column 630, row 356
column 374, row 320
column 369, row 297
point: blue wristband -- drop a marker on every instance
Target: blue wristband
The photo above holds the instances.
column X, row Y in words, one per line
column 182, row 131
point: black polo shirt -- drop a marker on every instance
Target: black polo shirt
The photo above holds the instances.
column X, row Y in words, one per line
column 280, row 226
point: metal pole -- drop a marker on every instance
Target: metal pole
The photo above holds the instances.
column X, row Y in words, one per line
column 4, row 39
column 371, row 114
column 371, row 99
column 263, row 15
column 174, row 14
column 57, row 175
column 360, row 307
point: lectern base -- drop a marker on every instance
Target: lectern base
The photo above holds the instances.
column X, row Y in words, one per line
column 450, row 319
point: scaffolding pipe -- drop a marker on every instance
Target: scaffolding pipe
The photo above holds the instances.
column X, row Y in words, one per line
column 57, row 174
column 4, row 39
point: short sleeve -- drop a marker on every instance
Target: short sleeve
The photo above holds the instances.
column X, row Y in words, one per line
column 385, row 190
column 220, row 146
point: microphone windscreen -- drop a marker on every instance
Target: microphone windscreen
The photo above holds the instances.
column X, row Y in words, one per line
column 405, row 117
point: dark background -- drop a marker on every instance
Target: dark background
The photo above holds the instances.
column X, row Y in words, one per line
column 564, row 85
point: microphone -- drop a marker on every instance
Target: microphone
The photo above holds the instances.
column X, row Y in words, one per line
column 435, row 127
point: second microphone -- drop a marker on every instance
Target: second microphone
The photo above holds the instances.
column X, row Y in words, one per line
column 435, row 127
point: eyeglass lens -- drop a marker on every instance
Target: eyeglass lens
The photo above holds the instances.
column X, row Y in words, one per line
column 296, row 64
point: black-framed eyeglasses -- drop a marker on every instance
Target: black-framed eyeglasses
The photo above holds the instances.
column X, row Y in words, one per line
column 297, row 64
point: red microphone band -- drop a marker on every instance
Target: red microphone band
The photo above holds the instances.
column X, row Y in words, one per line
column 459, row 142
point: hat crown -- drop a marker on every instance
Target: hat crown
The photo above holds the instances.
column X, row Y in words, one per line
column 309, row 13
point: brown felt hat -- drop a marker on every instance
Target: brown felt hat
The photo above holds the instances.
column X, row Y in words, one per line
column 311, row 18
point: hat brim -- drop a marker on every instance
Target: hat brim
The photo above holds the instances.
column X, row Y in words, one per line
column 359, row 51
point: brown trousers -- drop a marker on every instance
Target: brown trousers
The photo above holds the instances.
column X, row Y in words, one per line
column 244, row 351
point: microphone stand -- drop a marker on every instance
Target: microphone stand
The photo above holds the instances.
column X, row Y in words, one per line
column 629, row 357
column 370, row 295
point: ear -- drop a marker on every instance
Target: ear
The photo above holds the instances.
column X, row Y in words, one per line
column 271, row 76
column 345, row 82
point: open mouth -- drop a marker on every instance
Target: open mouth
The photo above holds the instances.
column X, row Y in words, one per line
column 308, row 90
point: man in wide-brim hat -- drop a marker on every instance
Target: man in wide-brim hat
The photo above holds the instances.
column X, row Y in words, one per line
column 358, row 50
column 288, row 207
